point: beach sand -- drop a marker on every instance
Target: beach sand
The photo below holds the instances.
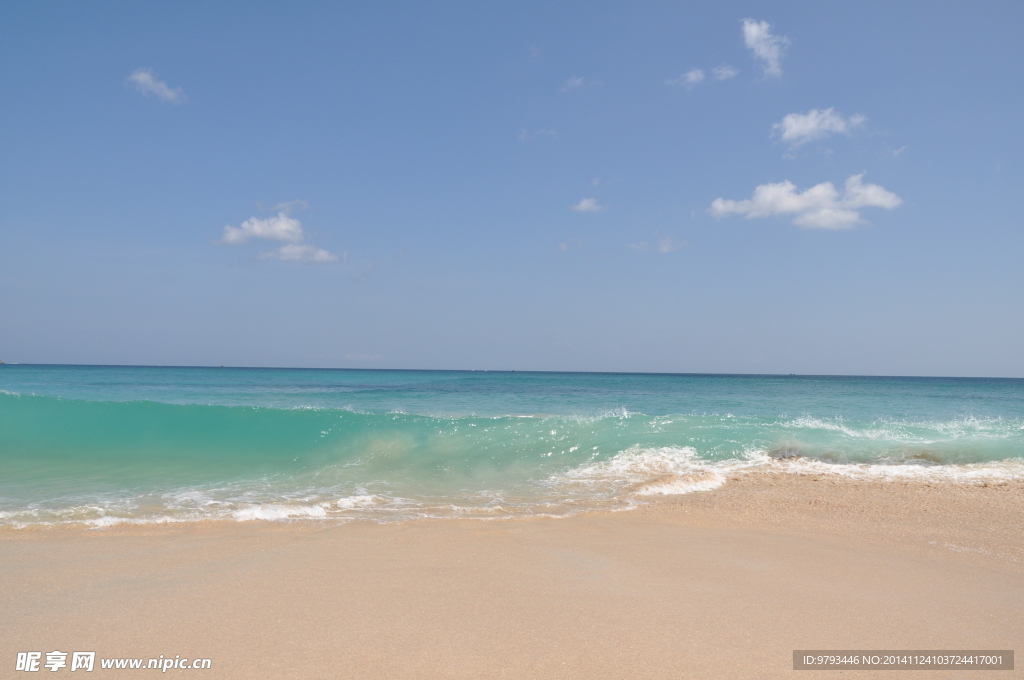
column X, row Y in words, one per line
column 719, row 584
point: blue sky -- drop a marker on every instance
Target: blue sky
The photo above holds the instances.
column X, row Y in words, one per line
column 542, row 186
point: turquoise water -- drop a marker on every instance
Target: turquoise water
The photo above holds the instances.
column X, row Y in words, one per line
column 148, row 444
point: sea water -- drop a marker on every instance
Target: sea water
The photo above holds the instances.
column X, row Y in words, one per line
column 101, row 445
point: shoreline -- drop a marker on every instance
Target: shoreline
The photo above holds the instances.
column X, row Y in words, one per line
column 649, row 486
column 723, row 583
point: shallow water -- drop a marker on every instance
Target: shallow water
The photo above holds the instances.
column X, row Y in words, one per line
column 104, row 445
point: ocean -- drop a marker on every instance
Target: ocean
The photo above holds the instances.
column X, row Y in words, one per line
column 103, row 445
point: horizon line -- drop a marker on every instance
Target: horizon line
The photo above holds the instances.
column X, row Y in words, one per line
column 514, row 370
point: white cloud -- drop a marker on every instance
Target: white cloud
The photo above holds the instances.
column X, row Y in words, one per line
column 288, row 206
column 800, row 128
column 820, row 207
column 299, row 252
column 695, row 75
column 690, row 78
column 765, row 45
column 145, row 81
column 588, row 205
column 666, row 244
column 280, row 227
column 571, row 244
column 277, row 228
column 578, row 83
column 574, row 83
column 724, row 72
column 525, row 135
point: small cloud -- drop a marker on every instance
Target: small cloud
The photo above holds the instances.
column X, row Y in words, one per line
column 525, row 135
column 800, row 128
column 299, row 252
column 820, row 207
column 695, row 76
column 766, row 46
column 724, row 72
column 288, row 206
column 594, row 182
column 574, row 83
column 666, row 244
column 900, row 150
column 689, row 79
column 578, row 83
column 535, row 51
column 278, row 228
column 588, row 205
column 145, row 81
column 571, row 244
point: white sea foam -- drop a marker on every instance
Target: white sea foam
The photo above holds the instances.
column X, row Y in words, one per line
column 632, row 477
column 908, row 470
column 645, row 471
column 838, row 425
column 575, row 418
column 111, row 520
column 278, row 512
column 358, row 502
column 699, row 480
column 638, row 472
column 901, row 430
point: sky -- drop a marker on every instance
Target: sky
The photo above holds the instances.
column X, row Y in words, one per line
column 731, row 187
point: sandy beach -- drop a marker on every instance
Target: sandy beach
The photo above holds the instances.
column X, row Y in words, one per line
column 511, row 341
column 721, row 584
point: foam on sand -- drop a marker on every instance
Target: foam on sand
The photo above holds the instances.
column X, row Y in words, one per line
column 278, row 512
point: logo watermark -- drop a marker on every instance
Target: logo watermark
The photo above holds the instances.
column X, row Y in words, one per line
column 903, row 659
column 32, row 662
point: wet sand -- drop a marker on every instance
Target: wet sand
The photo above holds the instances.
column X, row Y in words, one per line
column 720, row 584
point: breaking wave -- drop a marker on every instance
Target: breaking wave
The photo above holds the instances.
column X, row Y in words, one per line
column 107, row 463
